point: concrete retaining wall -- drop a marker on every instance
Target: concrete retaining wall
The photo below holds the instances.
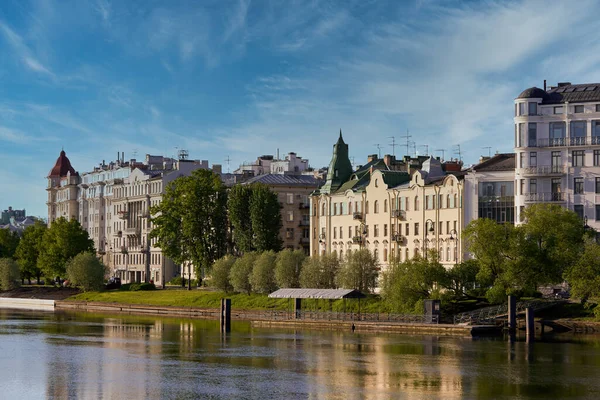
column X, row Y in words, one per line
column 27, row 304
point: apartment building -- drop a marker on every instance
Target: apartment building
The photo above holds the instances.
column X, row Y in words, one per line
column 557, row 146
column 393, row 213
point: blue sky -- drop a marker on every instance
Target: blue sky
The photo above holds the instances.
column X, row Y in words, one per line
column 242, row 78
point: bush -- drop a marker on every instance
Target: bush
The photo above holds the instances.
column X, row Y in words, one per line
column 177, row 281
column 262, row 278
column 239, row 276
column 134, row 287
column 86, row 271
column 9, row 274
column 319, row 272
column 288, row 267
column 220, row 273
column 359, row 271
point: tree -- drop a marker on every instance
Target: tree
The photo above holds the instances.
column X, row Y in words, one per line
column 86, row 271
column 265, row 215
column 191, row 221
column 9, row 241
column 359, row 271
column 319, row 272
column 584, row 275
column 239, row 277
column 61, row 242
column 461, row 277
column 288, row 267
column 28, row 250
column 238, row 206
column 262, row 278
column 220, row 273
column 406, row 284
column 9, row 274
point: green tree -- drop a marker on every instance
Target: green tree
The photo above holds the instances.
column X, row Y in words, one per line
column 319, row 272
column 288, row 268
column 359, row 271
column 190, row 224
column 28, row 251
column 86, row 271
column 262, row 278
column 9, row 274
column 239, row 276
column 406, row 284
column 265, row 215
column 61, row 242
column 461, row 278
column 220, row 273
column 238, row 206
column 584, row 275
column 9, row 241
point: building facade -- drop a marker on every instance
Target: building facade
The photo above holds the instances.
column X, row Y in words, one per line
column 557, row 146
column 11, row 213
column 62, row 190
column 393, row 213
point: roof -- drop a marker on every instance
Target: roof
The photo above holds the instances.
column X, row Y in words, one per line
column 62, row 166
column 500, row 162
column 533, row 93
column 285, row 180
column 316, row 294
column 573, row 93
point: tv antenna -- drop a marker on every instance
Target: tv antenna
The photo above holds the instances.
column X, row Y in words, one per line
column 393, row 144
column 426, row 148
column 457, row 151
column 378, row 149
column 489, row 149
column 228, row 160
column 407, row 137
column 443, row 153
column 135, row 151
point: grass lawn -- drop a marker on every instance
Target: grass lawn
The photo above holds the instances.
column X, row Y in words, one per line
column 210, row 299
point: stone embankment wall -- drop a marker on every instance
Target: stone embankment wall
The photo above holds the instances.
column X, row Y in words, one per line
column 27, row 304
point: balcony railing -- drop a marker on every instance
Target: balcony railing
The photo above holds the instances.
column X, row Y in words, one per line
column 400, row 214
column 545, row 197
column 357, row 240
column 123, row 214
column 357, row 215
column 572, row 141
column 135, row 231
column 543, row 170
column 397, row 238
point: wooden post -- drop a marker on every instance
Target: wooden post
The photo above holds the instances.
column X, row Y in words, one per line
column 297, row 308
column 512, row 314
column 225, row 315
column 529, row 323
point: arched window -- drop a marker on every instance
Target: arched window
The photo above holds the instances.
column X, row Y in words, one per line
column 376, row 207
column 385, row 205
column 416, row 203
column 455, row 201
column 323, row 209
column 406, row 255
column 349, row 207
column 385, row 254
column 376, row 254
column 341, row 254
column 448, row 253
column 448, row 201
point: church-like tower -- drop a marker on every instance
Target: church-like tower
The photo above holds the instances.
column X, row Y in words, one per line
column 340, row 168
column 62, row 190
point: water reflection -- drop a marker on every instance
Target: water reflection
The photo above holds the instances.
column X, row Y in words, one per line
column 95, row 356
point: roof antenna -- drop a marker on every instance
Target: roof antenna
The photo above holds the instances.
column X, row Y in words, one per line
column 227, row 160
column 393, row 144
column 426, row 149
column 489, row 149
column 443, row 152
column 378, row 149
column 407, row 137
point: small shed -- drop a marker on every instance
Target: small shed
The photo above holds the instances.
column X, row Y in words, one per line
column 324, row 294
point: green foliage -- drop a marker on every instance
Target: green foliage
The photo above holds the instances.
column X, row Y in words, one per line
column 406, row 284
column 584, row 275
column 136, row 287
column 462, row 278
column 262, row 278
column 265, row 215
column 191, row 221
column 288, row 268
column 28, row 250
column 359, row 271
column 178, row 280
column 239, row 276
column 220, row 273
column 60, row 243
column 238, row 206
column 9, row 241
column 319, row 272
column 86, row 271
column 9, row 274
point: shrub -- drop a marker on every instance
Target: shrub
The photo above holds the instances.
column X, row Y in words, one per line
column 239, row 276
column 9, row 274
column 86, row 271
column 220, row 273
column 134, row 287
column 319, row 272
column 177, row 281
column 262, row 278
column 288, row 267
column 359, row 271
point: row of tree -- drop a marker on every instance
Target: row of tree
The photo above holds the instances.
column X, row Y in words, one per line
column 200, row 221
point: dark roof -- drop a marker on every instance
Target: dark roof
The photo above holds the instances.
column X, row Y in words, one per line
column 500, row 162
column 62, row 166
column 285, row 180
column 533, row 93
column 316, row 294
column 573, row 93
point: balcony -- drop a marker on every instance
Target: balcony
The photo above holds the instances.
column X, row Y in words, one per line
column 544, row 170
column 398, row 238
column 357, row 240
column 544, row 197
column 400, row 214
column 123, row 214
column 135, row 231
column 572, row 141
column 303, row 206
column 357, row 215
column 304, row 223
column 124, row 250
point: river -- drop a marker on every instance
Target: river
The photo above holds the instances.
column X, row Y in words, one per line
column 91, row 356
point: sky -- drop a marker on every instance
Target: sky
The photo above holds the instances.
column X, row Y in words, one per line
column 231, row 80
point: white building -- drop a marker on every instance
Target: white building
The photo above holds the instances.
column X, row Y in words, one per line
column 557, row 146
column 267, row 164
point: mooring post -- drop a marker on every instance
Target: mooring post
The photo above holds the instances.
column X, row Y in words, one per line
column 225, row 315
column 512, row 314
column 529, row 323
column 297, row 308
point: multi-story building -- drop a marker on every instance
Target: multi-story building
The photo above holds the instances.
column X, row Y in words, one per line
column 557, row 144
column 268, row 164
column 393, row 213
column 11, row 213
column 62, row 190
column 293, row 192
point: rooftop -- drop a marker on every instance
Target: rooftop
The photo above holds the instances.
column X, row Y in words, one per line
column 499, row 162
column 285, row 180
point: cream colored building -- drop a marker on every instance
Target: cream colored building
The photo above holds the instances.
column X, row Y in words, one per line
column 391, row 213
column 62, row 190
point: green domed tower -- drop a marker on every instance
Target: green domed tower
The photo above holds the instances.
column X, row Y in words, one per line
column 340, row 168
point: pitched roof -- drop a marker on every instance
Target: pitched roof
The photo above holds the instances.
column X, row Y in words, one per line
column 62, row 166
column 285, row 180
column 573, row 93
column 500, row 162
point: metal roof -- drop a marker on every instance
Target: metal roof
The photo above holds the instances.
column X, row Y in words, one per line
column 316, row 294
column 285, row 180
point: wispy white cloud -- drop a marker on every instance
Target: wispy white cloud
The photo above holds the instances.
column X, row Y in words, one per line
column 23, row 52
column 104, row 9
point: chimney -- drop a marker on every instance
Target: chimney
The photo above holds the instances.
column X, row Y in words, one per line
column 389, row 160
column 544, row 85
column 372, row 157
column 122, row 157
column 216, row 168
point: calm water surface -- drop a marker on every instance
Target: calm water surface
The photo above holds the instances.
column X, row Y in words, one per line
column 90, row 356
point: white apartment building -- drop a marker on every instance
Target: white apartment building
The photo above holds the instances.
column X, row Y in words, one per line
column 557, row 146
column 267, row 164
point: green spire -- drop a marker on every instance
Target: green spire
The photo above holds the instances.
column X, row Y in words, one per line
column 340, row 168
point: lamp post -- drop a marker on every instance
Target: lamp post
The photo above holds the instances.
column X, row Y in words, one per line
column 429, row 223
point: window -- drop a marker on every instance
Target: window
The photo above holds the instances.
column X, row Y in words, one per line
column 416, row 228
column 440, row 231
column 375, row 230
column 376, row 206
column 522, row 108
column 516, row 109
column 558, row 110
column 578, row 186
column 556, row 159
column 385, row 257
column 532, row 108
column 596, row 158
column 597, row 212
column 385, row 230
column 578, row 109
column 349, row 232
column 290, row 198
column 578, row 208
column 521, row 159
column 533, row 159
column 532, row 134
column 429, row 202
column 595, row 132
column 597, row 107
column 334, row 232
column 335, row 208
column 366, row 207
column 597, row 185
column 522, row 192
column 578, row 156
column 416, row 203
column 407, row 229
column 533, row 186
column 341, row 232
column 289, row 233
column 521, row 135
column 290, row 215
column 557, row 133
column 578, row 132
column 385, row 205
column 350, row 208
